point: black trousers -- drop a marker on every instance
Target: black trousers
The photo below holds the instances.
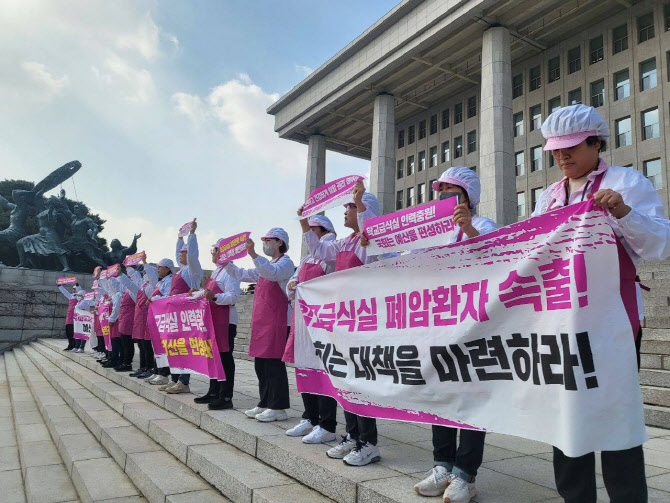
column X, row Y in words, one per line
column 80, row 343
column 128, row 349
column 117, row 351
column 150, row 361
column 466, row 454
column 143, row 353
column 320, row 410
column 623, row 471
column 360, row 428
column 228, row 362
column 69, row 333
column 101, row 344
column 272, row 383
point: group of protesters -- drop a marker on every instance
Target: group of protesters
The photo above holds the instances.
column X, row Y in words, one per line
column 575, row 135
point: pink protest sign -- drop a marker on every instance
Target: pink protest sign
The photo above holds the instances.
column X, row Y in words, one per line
column 89, row 296
column 68, row 280
column 330, row 195
column 186, row 228
column 112, row 271
column 104, row 310
column 103, row 274
column 428, row 225
column 134, row 259
column 233, row 247
column 83, row 324
column 183, row 326
column 95, row 284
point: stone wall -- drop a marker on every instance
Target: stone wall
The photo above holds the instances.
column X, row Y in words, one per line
column 31, row 305
column 243, row 326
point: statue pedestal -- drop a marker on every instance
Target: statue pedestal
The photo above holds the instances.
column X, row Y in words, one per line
column 31, row 305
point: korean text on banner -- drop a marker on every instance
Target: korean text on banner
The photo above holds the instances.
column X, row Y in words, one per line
column 233, row 248
column 330, row 195
column 183, row 326
column 68, row 280
column 104, row 310
column 430, row 224
column 83, row 324
column 134, row 259
column 186, row 228
column 527, row 331
column 112, row 271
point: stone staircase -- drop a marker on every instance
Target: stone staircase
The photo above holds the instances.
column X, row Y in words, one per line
column 655, row 349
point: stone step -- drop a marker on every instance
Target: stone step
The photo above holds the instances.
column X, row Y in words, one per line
column 656, row 395
column 236, row 474
column 657, row 415
column 654, row 311
column 655, row 347
column 653, row 266
column 657, row 321
column 659, row 378
column 45, row 476
column 95, row 474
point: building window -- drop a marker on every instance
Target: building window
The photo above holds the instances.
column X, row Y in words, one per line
column 534, row 196
column 650, row 127
column 410, row 197
column 575, row 96
column 620, row 38
column 398, row 200
column 554, row 68
column 410, row 135
column 645, row 27
column 535, row 117
column 535, row 81
column 652, row 170
column 666, row 15
column 421, row 193
column 518, row 124
column 552, row 161
column 445, row 118
column 422, row 129
column 621, row 85
column 517, row 86
column 596, row 50
column 400, row 169
column 433, row 157
column 648, row 78
column 667, row 57
column 472, row 142
column 520, row 204
column 458, row 147
column 422, row 161
column 520, row 163
column 472, row 106
column 598, row 93
column 458, row 113
column 432, row 194
column 433, row 124
column 445, row 152
column 553, row 104
column 401, row 138
column 535, row 159
column 574, row 59
column 410, row 165
column 624, row 135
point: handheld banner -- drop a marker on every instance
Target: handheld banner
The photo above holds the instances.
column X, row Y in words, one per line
column 182, row 327
column 430, row 224
column 527, row 331
column 104, row 310
column 232, row 248
column 83, row 324
column 113, row 271
column 68, row 280
column 330, row 195
column 186, row 228
column 134, row 259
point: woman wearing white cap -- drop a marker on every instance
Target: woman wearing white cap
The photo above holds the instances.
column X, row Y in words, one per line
column 161, row 290
column 359, row 446
column 319, row 418
column 116, row 293
column 456, row 461
column 270, row 321
column 72, row 299
column 575, row 136
column 223, row 292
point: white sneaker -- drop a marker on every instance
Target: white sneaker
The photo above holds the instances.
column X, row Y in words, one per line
column 435, row 482
column 459, row 491
column 178, row 387
column 301, row 429
column 362, row 455
column 272, row 415
column 319, row 436
column 160, row 380
column 252, row 413
column 342, row 449
column 167, row 386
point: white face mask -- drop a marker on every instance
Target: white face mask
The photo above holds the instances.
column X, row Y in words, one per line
column 269, row 248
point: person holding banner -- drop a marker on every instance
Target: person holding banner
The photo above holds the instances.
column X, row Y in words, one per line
column 161, row 289
column 116, row 290
column 359, row 446
column 576, row 135
column 270, row 322
column 72, row 299
column 223, row 292
column 319, row 418
column 144, row 285
column 126, row 316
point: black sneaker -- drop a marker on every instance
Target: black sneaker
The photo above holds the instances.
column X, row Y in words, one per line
column 124, row 367
column 145, row 374
column 221, row 404
column 68, row 349
column 136, row 373
column 208, row 398
column 109, row 364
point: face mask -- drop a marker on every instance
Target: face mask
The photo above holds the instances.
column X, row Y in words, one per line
column 447, row 195
column 268, row 248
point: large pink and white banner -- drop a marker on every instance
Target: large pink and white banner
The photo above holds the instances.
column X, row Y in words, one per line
column 104, row 310
column 182, row 326
column 430, row 224
column 68, row 280
column 83, row 324
column 330, row 195
column 527, row 331
column 233, row 248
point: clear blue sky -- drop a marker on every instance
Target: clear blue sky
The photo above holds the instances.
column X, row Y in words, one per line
column 164, row 104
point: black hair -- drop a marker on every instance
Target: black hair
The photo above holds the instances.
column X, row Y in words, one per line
column 323, row 229
column 592, row 140
column 282, row 248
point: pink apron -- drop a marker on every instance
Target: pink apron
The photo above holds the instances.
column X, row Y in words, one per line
column 140, row 315
column 69, row 318
column 347, row 259
column 126, row 313
column 268, row 321
column 307, row 272
column 97, row 330
column 596, row 186
column 156, row 343
column 104, row 307
column 178, row 285
column 220, row 317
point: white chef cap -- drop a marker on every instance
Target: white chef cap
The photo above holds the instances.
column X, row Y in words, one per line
column 571, row 125
column 321, row 220
column 466, row 179
column 279, row 233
